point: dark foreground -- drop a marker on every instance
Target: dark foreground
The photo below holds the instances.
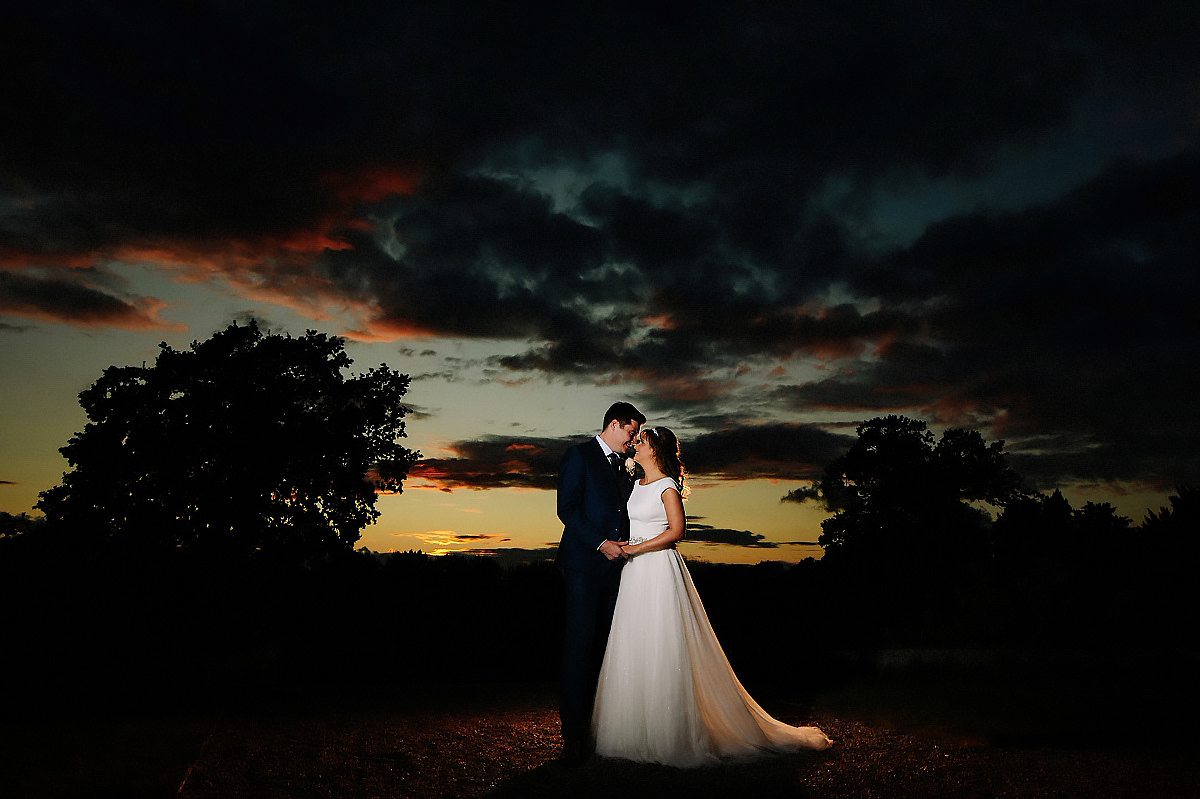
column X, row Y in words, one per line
column 509, row 751
column 922, row 737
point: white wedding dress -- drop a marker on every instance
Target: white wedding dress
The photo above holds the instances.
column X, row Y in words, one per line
column 667, row 693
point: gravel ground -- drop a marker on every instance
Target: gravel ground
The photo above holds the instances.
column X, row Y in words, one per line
column 505, row 744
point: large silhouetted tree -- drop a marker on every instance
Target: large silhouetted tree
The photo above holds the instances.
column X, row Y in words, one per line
column 898, row 495
column 246, row 445
column 907, row 543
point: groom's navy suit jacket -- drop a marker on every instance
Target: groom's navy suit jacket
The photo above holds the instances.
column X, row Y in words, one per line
column 591, row 505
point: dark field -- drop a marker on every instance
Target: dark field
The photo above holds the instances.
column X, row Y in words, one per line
column 910, row 725
column 143, row 680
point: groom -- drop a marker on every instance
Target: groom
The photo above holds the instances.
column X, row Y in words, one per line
column 593, row 488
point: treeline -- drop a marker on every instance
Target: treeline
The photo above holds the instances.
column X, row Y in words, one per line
column 939, row 542
column 1043, row 574
column 105, row 625
column 102, row 625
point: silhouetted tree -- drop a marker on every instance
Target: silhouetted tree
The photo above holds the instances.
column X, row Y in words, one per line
column 899, row 494
column 1062, row 573
column 1102, row 533
column 1175, row 531
column 1033, row 529
column 1168, row 589
column 246, row 445
column 908, row 537
column 13, row 525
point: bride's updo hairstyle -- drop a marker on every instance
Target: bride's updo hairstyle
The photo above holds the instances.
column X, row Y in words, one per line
column 667, row 455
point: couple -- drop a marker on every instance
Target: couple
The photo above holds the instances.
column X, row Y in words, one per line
column 643, row 676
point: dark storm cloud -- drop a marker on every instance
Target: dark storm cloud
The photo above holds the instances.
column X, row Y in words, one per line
column 145, row 120
column 1077, row 317
column 75, row 299
column 200, row 121
column 496, row 462
column 643, row 196
column 480, row 257
column 706, row 534
column 477, row 258
column 785, row 451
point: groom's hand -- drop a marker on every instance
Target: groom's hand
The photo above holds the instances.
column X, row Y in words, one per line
column 612, row 550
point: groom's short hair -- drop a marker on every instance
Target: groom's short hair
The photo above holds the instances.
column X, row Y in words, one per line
column 624, row 413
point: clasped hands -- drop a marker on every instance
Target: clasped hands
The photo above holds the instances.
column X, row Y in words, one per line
column 613, row 550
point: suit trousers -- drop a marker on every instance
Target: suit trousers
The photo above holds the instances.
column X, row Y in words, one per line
column 589, row 600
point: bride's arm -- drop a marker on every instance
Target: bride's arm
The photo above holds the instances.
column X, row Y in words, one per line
column 675, row 526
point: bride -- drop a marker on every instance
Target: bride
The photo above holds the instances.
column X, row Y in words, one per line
column 667, row 694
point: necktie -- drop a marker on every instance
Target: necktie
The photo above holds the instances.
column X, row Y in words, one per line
column 614, row 460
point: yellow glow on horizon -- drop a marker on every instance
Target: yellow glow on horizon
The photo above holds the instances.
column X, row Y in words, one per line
column 440, row 522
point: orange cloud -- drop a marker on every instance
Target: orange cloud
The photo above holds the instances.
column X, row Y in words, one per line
column 960, row 410
column 377, row 331
column 689, row 389
column 17, row 259
column 834, row 349
column 662, row 321
column 372, row 185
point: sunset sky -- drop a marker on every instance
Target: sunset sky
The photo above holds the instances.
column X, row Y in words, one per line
column 760, row 226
